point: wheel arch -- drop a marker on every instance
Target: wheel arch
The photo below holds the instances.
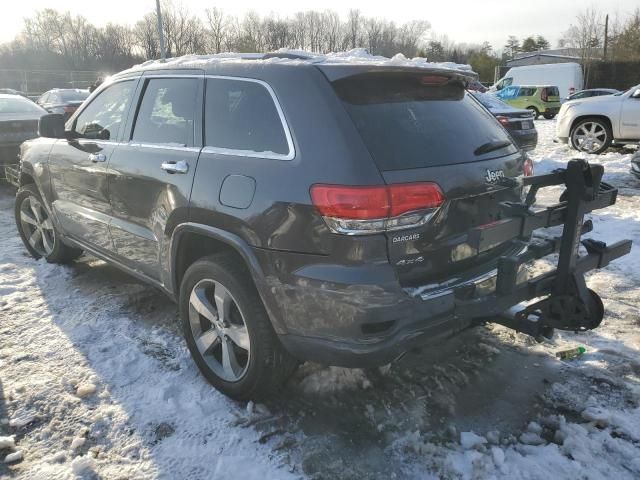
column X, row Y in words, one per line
column 192, row 241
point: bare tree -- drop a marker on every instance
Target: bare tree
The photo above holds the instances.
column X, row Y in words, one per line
column 217, row 23
column 586, row 35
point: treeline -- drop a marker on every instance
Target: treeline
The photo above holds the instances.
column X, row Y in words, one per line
column 55, row 40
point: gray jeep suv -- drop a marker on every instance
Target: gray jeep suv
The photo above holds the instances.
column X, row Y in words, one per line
column 296, row 208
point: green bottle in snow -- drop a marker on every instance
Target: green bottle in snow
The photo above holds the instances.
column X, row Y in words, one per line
column 571, row 353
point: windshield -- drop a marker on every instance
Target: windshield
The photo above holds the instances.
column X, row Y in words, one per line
column 18, row 105
column 409, row 120
column 74, row 95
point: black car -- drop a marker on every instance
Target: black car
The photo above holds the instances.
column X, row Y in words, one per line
column 64, row 101
column 519, row 122
column 635, row 164
column 592, row 92
column 18, row 122
column 308, row 208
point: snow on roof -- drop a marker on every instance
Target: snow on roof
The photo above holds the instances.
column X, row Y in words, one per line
column 357, row 56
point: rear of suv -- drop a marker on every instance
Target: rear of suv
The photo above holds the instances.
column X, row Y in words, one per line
column 295, row 208
column 540, row 100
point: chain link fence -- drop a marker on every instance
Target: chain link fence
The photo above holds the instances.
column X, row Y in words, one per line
column 35, row 82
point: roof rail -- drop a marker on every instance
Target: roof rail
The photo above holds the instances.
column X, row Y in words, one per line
column 290, row 56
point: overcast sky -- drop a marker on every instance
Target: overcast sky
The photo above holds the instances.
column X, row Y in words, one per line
column 470, row 21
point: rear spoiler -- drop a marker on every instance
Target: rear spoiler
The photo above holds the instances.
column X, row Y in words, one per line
column 338, row 71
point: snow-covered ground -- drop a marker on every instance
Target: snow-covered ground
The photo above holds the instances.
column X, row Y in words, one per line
column 95, row 382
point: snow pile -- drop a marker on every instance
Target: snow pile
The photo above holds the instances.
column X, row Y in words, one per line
column 355, row 56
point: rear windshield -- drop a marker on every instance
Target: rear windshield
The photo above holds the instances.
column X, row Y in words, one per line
column 18, row 105
column 414, row 121
column 74, row 95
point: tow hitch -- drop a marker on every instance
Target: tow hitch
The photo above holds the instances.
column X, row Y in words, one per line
column 559, row 298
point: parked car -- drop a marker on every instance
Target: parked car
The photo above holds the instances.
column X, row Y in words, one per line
column 518, row 121
column 340, row 211
column 11, row 91
column 476, row 86
column 592, row 92
column 18, row 122
column 62, row 100
column 540, row 100
column 594, row 124
column 566, row 76
column 635, row 164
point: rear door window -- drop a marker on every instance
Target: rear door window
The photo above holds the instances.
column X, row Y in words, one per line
column 241, row 117
column 166, row 114
column 406, row 123
column 526, row 92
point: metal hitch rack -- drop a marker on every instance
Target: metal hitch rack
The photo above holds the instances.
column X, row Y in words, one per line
column 559, row 298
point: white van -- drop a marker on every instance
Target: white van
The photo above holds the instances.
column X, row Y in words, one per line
column 566, row 76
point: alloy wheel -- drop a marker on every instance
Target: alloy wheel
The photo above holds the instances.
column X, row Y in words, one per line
column 37, row 226
column 219, row 330
column 590, row 137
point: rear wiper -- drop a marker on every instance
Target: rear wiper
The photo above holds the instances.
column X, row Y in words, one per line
column 491, row 146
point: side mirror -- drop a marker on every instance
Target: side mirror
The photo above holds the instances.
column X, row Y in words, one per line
column 636, row 94
column 51, row 125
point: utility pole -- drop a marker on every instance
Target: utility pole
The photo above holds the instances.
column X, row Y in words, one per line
column 606, row 37
column 163, row 54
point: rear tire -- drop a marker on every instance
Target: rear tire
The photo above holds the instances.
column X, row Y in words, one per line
column 549, row 116
column 238, row 352
column 535, row 112
column 37, row 229
column 591, row 135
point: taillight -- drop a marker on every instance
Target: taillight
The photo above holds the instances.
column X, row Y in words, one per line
column 528, row 167
column 362, row 210
column 503, row 120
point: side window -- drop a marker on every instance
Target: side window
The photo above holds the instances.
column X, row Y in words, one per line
column 241, row 115
column 104, row 117
column 526, row 92
column 508, row 82
column 167, row 112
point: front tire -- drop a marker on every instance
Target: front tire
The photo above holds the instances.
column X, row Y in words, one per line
column 37, row 230
column 591, row 135
column 228, row 332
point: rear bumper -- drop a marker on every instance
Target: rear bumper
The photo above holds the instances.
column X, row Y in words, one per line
column 359, row 316
column 551, row 110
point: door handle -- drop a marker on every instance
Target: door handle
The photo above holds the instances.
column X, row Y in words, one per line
column 180, row 166
column 98, row 157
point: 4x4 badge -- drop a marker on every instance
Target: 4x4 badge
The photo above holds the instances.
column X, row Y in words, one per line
column 493, row 176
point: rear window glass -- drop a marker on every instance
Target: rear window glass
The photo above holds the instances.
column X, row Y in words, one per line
column 552, row 91
column 408, row 122
column 18, row 105
column 241, row 116
column 74, row 95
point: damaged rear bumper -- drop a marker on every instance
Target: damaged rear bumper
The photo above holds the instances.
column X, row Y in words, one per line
column 557, row 298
